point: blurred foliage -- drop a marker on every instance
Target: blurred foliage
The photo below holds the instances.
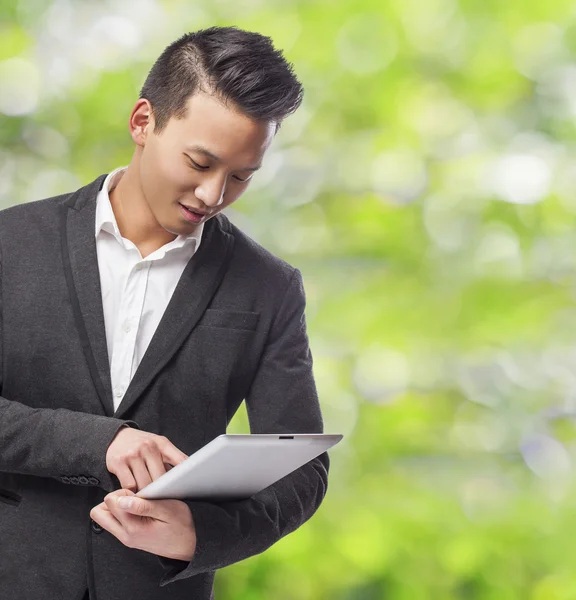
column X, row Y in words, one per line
column 426, row 191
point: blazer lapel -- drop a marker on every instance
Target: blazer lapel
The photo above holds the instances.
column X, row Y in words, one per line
column 78, row 222
column 196, row 287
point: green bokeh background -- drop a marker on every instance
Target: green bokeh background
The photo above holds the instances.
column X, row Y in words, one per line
column 426, row 190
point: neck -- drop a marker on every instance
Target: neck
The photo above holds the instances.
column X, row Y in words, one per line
column 133, row 215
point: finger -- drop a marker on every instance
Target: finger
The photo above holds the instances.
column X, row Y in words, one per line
column 140, row 472
column 139, row 508
column 154, row 463
column 110, row 501
column 126, row 518
column 171, row 454
column 117, row 494
column 126, row 478
column 105, row 518
column 121, row 492
column 114, row 526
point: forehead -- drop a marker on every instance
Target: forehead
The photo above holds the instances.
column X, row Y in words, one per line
column 222, row 129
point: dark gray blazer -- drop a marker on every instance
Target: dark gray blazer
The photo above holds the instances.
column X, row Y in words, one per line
column 234, row 329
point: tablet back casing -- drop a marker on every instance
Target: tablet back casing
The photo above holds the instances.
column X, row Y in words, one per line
column 237, row 466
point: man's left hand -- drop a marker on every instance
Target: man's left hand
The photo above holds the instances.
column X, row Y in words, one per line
column 162, row 527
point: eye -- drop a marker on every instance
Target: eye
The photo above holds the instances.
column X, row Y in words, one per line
column 196, row 165
column 200, row 167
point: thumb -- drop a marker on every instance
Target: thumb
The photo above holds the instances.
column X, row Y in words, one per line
column 136, row 505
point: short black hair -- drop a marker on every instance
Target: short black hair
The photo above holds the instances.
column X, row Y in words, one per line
column 230, row 63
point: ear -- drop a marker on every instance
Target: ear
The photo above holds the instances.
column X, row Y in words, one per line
column 141, row 121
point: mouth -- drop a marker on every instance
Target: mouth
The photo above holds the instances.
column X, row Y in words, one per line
column 192, row 216
column 194, row 212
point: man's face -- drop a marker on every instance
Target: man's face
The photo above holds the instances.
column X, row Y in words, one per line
column 175, row 168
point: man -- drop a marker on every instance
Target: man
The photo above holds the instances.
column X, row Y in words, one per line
column 135, row 319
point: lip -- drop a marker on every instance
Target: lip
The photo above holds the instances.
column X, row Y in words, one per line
column 190, row 217
column 200, row 212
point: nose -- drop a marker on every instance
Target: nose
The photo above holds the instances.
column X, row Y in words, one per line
column 211, row 191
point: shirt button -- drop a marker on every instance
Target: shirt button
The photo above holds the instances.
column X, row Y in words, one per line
column 118, row 394
column 127, row 327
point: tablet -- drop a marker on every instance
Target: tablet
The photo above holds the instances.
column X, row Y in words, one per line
column 237, row 466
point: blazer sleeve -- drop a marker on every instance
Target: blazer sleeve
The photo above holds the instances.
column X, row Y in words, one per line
column 55, row 442
column 281, row 399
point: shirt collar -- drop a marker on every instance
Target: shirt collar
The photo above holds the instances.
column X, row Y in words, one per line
column 106, row 219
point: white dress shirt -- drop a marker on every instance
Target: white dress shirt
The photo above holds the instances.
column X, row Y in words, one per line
column 135, row 290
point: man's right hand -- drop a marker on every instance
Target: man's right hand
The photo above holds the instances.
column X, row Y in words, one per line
column 138, row 458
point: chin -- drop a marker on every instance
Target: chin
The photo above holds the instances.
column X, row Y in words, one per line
column 179, row 229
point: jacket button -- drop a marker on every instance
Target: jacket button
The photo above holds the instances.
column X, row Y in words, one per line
column 65, row 479
column 83, row 480
column 95, row 527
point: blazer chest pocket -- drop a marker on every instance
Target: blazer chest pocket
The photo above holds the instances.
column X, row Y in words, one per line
column 229, row 319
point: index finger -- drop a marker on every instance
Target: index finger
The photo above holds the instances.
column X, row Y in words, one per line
column 172, row 455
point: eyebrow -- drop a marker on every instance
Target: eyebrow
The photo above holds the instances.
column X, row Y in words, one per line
column 206, row 152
